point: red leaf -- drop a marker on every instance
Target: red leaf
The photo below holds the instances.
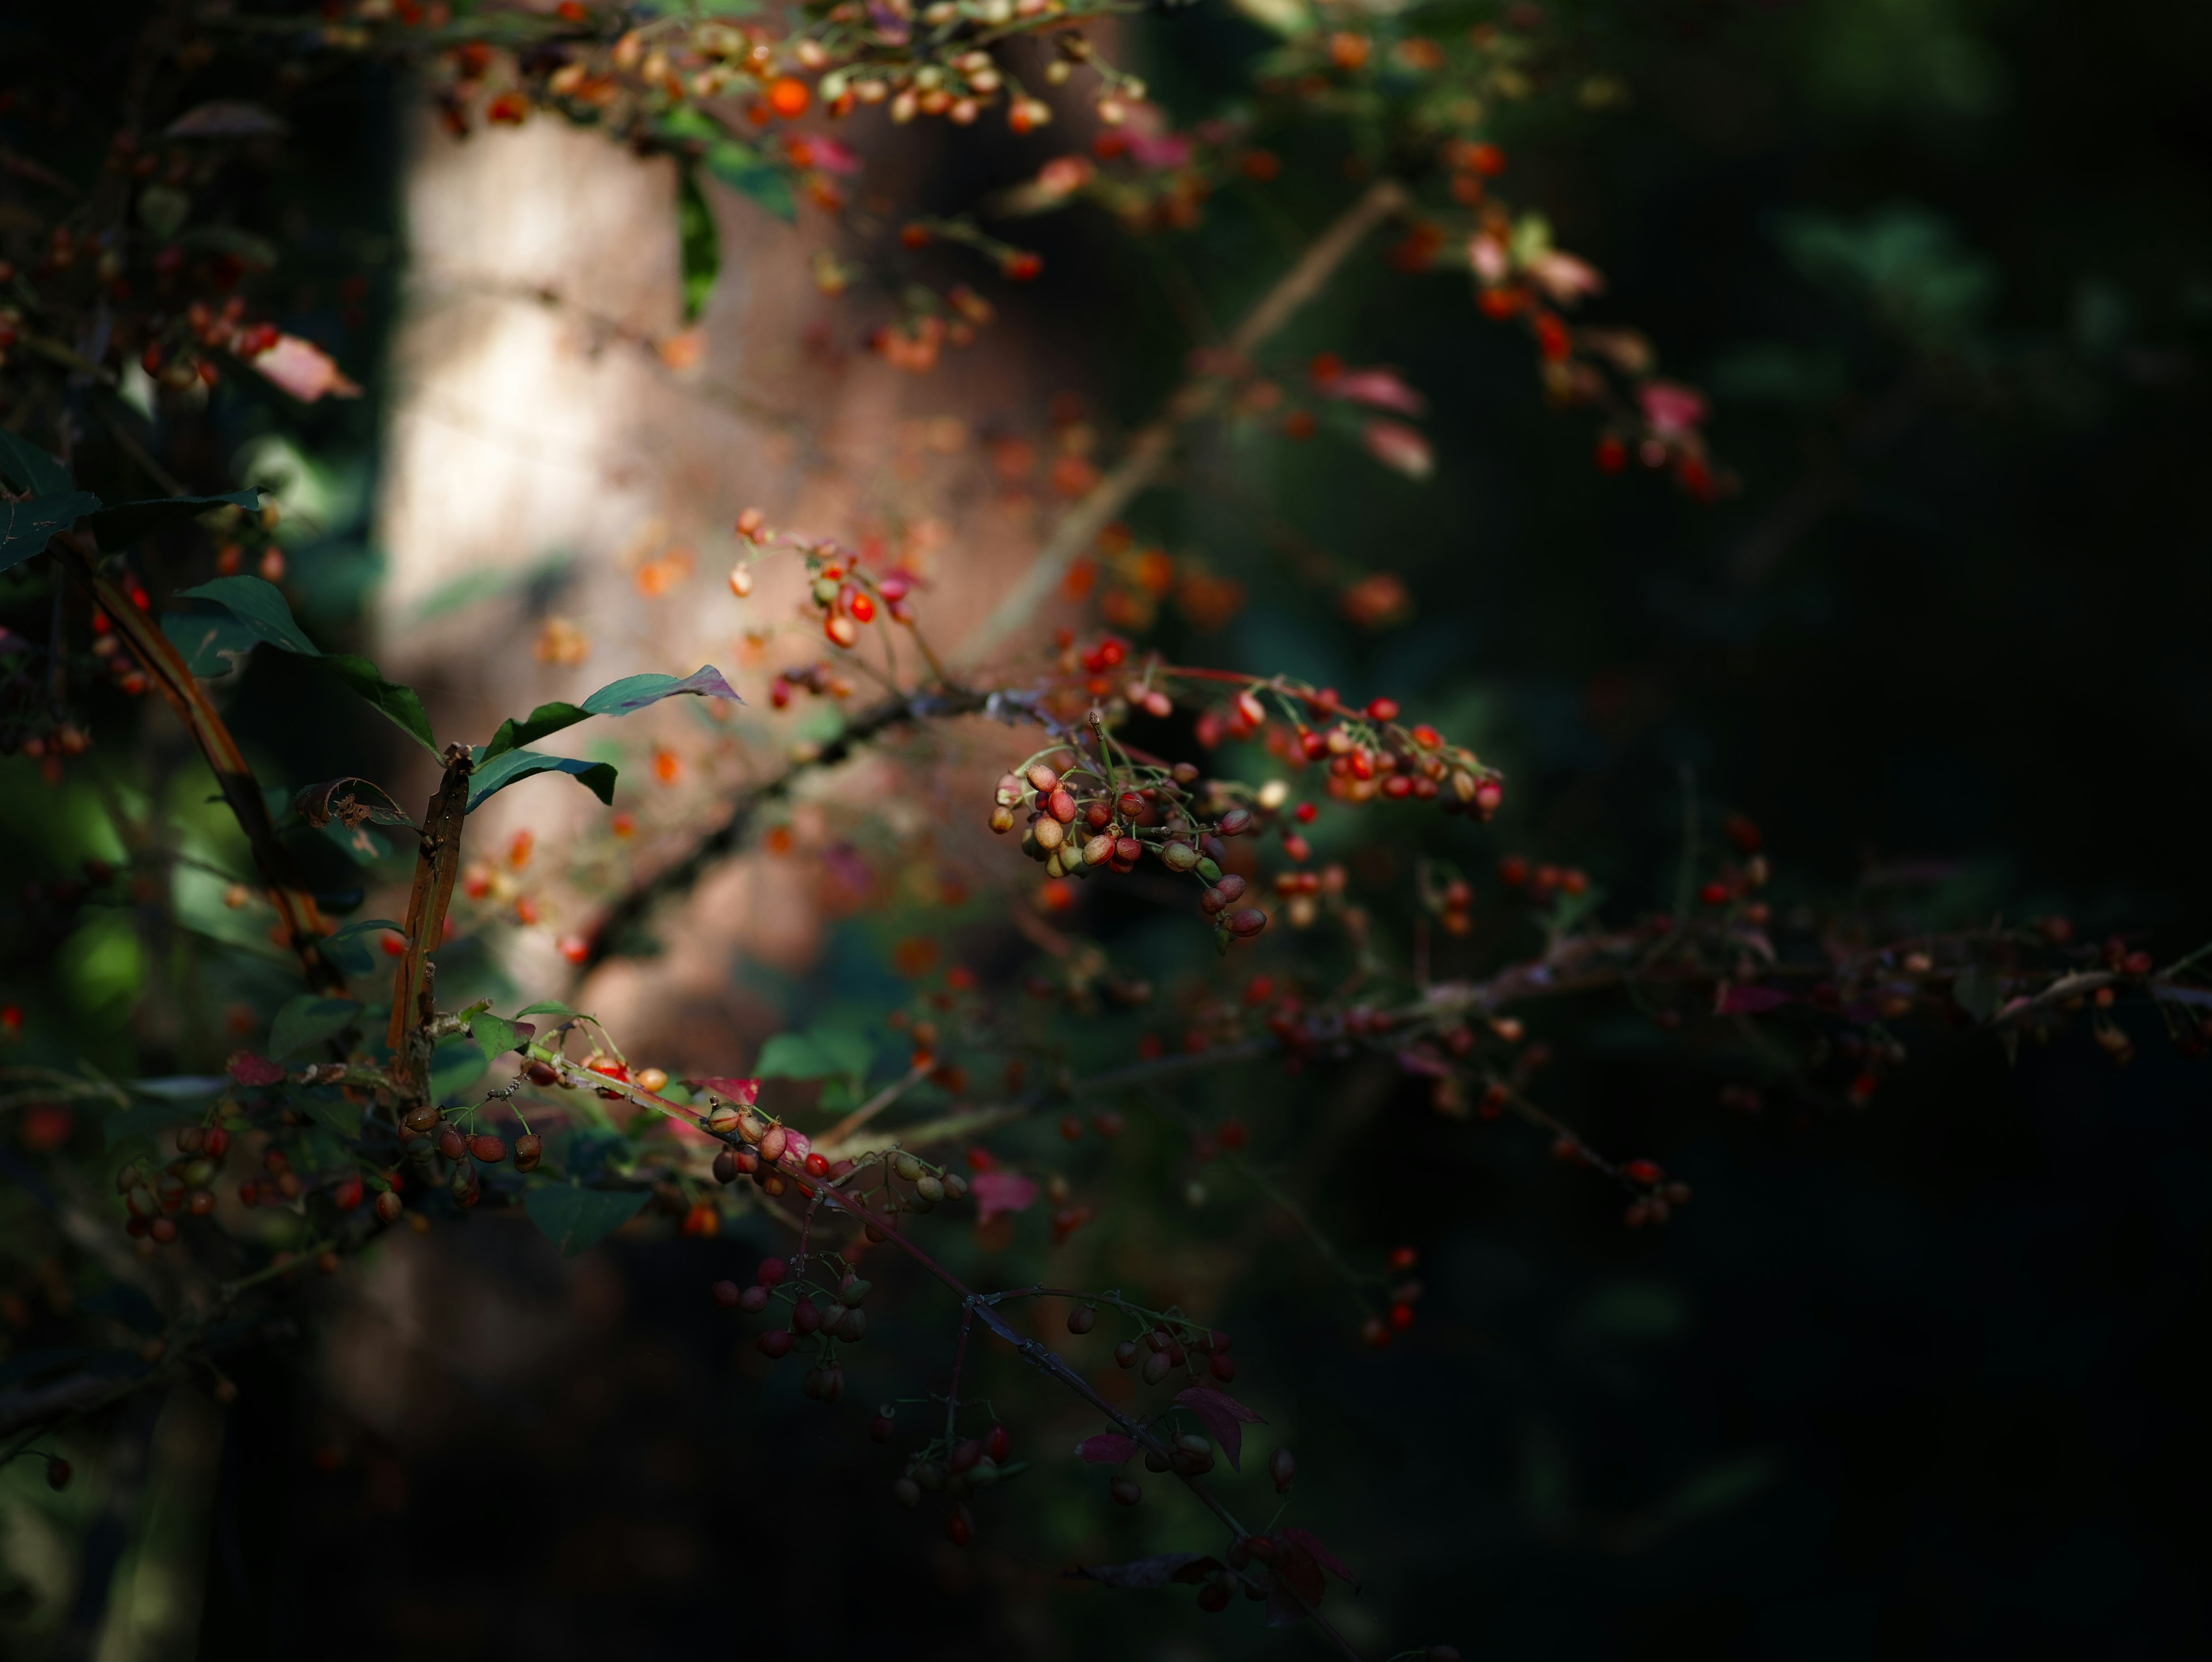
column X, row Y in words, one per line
column 1222, row 1414
column 1107, row 1448
column 1155, row 1571
column 248, row 1069
column 743, row 1092
column 1306, row 1541
column 1001, row 1191
column 1751, row 1001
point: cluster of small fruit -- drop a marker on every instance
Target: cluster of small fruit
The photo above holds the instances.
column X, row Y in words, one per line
column 838, row 1319
column 153, row 1197
column 841, row 589
column 1364, row 752
column 1083, row 819
column 430, row 1137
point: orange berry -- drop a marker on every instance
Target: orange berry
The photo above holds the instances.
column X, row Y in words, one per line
column 788, row 97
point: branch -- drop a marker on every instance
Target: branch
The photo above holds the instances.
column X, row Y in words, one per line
column 166, row 668
column 1149, row 448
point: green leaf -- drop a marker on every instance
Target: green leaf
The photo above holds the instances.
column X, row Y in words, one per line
column 496, row 1033
column 697, row 244
column 548, row 1007
column 212, row 642
column 624, row 698
column 574, row 1219
column 26, row 528
column 454, row 1066
column 818, row 1053
column 501, row 771
column 27, row 467
column 262, row 608
column 348, row 947
column 751, row 174
column 307, row 1020
column 396, row 703
column 120, row 526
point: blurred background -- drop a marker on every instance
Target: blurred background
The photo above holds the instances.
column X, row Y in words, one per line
column 1910, row 1379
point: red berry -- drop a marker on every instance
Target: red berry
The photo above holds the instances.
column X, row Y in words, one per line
column 1223, row 1368
column 771, row 1272
column 775, row 1344
column 1401, row 1316
column 959, row 1526
column 1714, row 894
column 1383, row 709
column 998, row 1444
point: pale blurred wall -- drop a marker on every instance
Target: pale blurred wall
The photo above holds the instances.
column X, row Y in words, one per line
column 520, row 430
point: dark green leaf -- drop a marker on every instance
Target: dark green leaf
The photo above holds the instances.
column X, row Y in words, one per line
column 545, row 719
column 497, row 773
column 27, row 467
column 307, row 1020
column 746, row 171
column 454, row 1066
column 497, row 1035
column 212, row 642
column 398, row 703
column 548, row 1007
column 624, row 698
column 26, row 528
column 120, row 526
column 633, row 692
column 698, row 244
column 260, row 606
column 574, row 1219
column 818, row 1053
column 348, row 947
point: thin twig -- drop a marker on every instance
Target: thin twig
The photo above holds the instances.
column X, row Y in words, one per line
column 1150, row 447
